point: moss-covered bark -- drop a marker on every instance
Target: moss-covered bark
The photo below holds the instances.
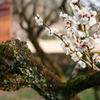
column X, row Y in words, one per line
column 20, row 69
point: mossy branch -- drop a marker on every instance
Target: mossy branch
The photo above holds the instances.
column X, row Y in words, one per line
column 20, row 69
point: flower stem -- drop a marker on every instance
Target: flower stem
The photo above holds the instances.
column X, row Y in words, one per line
column 85, row 31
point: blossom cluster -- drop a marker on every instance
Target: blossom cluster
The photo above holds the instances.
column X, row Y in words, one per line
column 39, row 20
column 81, row 42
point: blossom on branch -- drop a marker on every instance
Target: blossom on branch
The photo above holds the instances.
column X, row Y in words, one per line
column 51, row 31
column 96, row 58
column 76, row 56
column 81, row 64
column 66, row 48
column 39, row 20
column 77, row 41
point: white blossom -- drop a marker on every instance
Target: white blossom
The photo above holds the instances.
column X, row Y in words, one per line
column 63, row 15
column 83, row 46
column 62, row 36
column 98, row 59
column 68, row 18
column 67, row 50
column 93, row 13
column 95, row 56
column 75, row 1
column 54, row 30
column 84, row 20
column 77, row 12
column 67, row 24
column 95, row 36
column 51, row 31
column 70, row 31
column 85, row 11
column 75, row 20
column 47, row 30
column 81, row 64
column 80, row 40
column 92, row 21
column 63, row 45
column 39, row 20
column 66, row 47
column 84, row 15
column 60, row 15
column 76, row 56
column 73, row 39
column 80, row 34
column 91, row 42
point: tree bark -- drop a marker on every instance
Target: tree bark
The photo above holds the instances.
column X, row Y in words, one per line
column 19, row 69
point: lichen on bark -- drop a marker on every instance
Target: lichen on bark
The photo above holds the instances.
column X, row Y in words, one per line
column 23, row 70
column 19, row 69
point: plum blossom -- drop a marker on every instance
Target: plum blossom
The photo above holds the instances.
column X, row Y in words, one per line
column 76, row 56
column 96, row 58
column 81, row 43
column 83, row 48
column 63, row 36
column 93, row 13
column 70, row 31
column 63, row 15
column 39, row 20
column 47, row 30
column 54, row 30
column 86, row 11
column 84, row 20
column 81, row 64
column 80, row 34
column 66, row 48
column 67, row 19
column 75, row 1
column 51, row 31
column 91, row 42
column 77, row 12
column 73, row 39
column 92, row 21
column 84, row 15
column 67, row 24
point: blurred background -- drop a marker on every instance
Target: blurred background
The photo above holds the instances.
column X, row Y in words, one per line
column 17, row 21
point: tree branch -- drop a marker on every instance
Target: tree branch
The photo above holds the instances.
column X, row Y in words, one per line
column 23, row 70
column 20, row 69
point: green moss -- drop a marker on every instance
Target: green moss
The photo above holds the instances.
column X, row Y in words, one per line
column 2, row 49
